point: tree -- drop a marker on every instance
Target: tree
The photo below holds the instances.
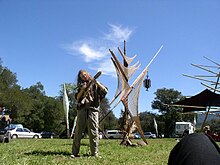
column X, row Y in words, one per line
column 146, row 120
column 215, row 124
column 170, row 114
column 46, row 112
column 11, row 95
column 30, row 106
column 53, row 115
column 110, row 121
column 19, row 103
column 34, row 119
column 7, row 78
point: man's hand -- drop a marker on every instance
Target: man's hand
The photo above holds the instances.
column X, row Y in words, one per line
column 82, row 91
column 83, row 86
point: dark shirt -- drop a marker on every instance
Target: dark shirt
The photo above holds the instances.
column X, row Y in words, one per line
column 195, row 149
column 97, row 95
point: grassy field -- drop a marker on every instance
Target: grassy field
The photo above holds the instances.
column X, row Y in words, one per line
column 58, row 151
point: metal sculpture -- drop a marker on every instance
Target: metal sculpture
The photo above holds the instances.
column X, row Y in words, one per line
column 129, row 94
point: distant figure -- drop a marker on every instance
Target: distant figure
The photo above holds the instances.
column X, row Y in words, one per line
column 9, row 121
column 3, row 121
column 2, row 110
column 89, row 95
column 195, row 149
column 207, row 130
column 185, row 132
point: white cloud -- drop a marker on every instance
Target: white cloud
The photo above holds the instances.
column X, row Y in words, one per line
column 90, row 53
column 106, row 66
column 97, row 50
column 118, row 33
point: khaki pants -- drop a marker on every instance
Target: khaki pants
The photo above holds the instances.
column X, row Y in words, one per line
column 89, row 117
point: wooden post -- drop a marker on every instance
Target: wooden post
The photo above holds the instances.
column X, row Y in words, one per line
column 216, row 85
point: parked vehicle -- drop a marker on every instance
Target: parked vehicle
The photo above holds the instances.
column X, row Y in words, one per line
column 183, row 126
column 137, row 136
column 23, row 133
column 149, row 135
column 114, row 134
column 13, row 126
column 46, row 134
column 216, row 135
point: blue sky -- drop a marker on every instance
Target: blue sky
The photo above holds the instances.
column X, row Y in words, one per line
column 50, row 40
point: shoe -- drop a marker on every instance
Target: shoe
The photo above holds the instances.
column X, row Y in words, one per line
column 74, row 156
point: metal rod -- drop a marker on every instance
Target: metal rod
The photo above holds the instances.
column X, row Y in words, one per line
column 208, row 66
column 187, row 106
column 204, row 69
column 204, row 76
column 212, row 61
column 210, row 87
column 200, row 78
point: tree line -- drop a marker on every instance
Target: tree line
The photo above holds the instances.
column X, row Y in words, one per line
column 38, row 112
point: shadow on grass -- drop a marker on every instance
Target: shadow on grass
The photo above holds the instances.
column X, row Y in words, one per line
column 45, row 153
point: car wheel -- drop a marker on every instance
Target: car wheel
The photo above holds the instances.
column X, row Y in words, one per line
column 7, row 140
column 36, row 137
column 2, row 138
column 14, row 136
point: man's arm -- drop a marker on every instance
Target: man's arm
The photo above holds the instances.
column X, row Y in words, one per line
column 102, row 87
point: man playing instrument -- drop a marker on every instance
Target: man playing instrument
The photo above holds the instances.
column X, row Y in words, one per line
column 89, row 95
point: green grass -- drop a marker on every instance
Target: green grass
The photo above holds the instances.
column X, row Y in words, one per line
column 58, row 151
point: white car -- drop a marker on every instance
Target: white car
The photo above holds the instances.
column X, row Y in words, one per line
column 114, row 134
column 149, row 135
column 23, row 133
column 12, row 126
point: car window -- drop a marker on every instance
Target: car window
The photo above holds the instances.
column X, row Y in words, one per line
column 19, row 130
column 26, row 130
column 111, row 133
column 147, row 133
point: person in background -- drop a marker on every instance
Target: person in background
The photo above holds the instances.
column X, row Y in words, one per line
column 3, row 122
column 207, row 130
column 195, row 149
column 186, row 132
column 89, row 95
